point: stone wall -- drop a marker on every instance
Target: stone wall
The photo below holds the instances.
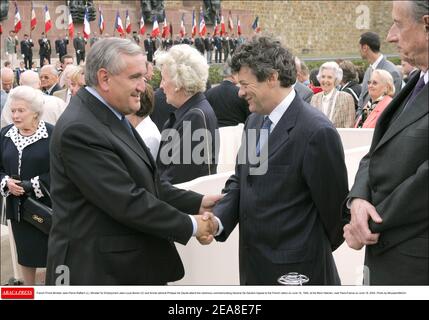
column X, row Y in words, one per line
column 309, row 28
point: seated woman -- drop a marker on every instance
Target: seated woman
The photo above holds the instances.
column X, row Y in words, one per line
column 144, row 125
column 381, row 90
column 24, row 165
column 187, row 149
column 338, row 106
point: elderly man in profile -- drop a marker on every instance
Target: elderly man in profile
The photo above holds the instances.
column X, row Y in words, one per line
column 389, row 199
column 49, row 79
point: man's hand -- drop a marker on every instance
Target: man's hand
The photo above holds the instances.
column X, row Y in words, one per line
column 351, row 240
column 207, row 227
column 361, row 211
column 208, row 202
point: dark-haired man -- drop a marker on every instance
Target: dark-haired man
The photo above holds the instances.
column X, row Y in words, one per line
column 288, row 204
column 369, row 46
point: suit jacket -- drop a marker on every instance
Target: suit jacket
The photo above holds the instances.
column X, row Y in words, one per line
column 303, row 91
column 190, row 113
column 26, row 48
column 344, row 109
column 385, row 65
column 162, row 109
column 79, row 44
column 114, row 221
column 393, row 176
column 289, row 217
column 45, row 48
column 61, row 47
column 229, row 108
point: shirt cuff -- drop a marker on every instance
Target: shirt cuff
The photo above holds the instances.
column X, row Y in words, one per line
column 194, row 225
column 220, row 227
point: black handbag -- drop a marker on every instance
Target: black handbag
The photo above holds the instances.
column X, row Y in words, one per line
column 37, row 213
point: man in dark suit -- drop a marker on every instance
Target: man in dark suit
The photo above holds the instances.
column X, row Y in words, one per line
column 44, row 49
column 389, row 199
column 149, row 47
column 79, row 46
column 27, row 51
column 61, row 46
column 115, row 223
column 288, row 203
column 229, row 108
column 370, row 50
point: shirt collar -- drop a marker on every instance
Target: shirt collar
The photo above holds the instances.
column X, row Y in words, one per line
column 278, row 111
column 425, row 75
column 95, row 93
column 375, row 64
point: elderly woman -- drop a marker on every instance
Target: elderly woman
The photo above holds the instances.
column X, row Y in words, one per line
column 190, row 151
column 144, row 125
column 338, row 106
column 24, row 166
column 381, row 90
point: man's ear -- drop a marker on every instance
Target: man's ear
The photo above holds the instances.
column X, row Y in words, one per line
column 103, row 79
column 426, row 23
column 273, row 78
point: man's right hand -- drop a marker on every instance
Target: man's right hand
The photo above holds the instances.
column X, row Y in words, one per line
column 207, row 227
column 361, row 211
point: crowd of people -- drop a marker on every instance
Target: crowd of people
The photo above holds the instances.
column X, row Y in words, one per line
column 109, row 146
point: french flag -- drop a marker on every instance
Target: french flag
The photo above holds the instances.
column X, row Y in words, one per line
column 155, row 28
column 33, row 21
column 17, row 22
column 142, row 28
column 86, row 26
column 127, row 22
column 182, row 30
column 238, row 26
column 165, row 28
column 222, row 26
column 118, row 24
column 203, row 28
column 101, row 24
column 230, row 23
column 48, row 22
column 194, row 24
column 71, row 26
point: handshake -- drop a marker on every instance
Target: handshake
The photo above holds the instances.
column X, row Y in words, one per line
column 207, row 227
column 207, row 223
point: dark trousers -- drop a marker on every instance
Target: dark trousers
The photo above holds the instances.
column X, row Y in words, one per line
column 42, row 57
column 28, row 61
column 218, row 56
column 80, row 56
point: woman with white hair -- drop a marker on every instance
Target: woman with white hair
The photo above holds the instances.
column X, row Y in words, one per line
column 24, row 166
column 191, row 154
column 381, row 90
column 338, row 106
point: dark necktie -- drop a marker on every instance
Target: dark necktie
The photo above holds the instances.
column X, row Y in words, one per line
column 127, row 126
column 419, row 86
column 263, row 134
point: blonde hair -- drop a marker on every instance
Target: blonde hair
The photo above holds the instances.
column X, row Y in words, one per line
column 387, row 79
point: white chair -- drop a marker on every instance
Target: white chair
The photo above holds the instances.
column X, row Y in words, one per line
column 216, row 263
column 350, row 262
column 353, row 138
column 230, row 142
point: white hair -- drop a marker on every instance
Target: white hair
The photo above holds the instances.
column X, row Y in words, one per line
column 187, row 68
column 30, row 78
column 331, row 65
column 33, row 97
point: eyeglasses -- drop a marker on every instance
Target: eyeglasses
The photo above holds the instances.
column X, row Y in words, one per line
column 373, row 82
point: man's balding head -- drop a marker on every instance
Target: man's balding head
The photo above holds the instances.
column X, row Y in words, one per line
column 30, row 78
column 7, row 76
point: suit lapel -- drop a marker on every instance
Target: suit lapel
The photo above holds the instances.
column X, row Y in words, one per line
column 412, row 114
column 101, row 112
